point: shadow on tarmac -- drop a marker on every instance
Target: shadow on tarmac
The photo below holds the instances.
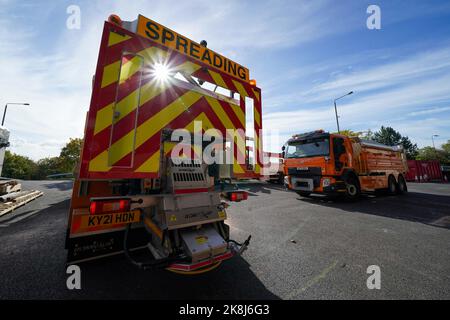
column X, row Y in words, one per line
column 430, row 209
column 60, row 185
column 116, row 278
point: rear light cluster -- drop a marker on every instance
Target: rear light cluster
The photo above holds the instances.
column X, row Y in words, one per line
column 109, row 206
column 237, row 196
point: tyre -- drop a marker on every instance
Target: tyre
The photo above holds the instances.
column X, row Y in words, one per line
column 392, row 185
column 303, row 193
column 281, row 179
column 353, row 188
column 402, row 188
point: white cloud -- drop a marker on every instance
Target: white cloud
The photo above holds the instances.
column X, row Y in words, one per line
column 428, row 111
column 58, row 85
column 388, row 93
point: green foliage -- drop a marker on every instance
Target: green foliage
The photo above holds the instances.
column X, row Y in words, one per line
column 48, row 166
column 19, row 167
column 390, row 137
column 446, row 147
column 430, row 153
column 70, row 154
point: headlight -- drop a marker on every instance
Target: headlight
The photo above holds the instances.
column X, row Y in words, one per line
column 326, row 182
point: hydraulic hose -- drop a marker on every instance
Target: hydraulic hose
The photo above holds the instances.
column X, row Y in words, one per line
column 246, row 242
column 155, row 264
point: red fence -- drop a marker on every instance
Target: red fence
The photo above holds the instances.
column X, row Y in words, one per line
column 424, row 171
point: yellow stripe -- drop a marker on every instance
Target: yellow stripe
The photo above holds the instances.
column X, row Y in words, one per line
column 129, row 68
column 206, row 124
column 100, row 163
column 239, row 113
column 124, row 145
column 103, row 118
column 151, row 164
column 256, row 93
column 111, row 73
column 127, row 105
column 218, row 79
column 221, row 114
column 257, row 116
column 256, row 151
column 223, row 117
column 187, row 67
column 237, row 168
column 115, row 38
column 240, row 89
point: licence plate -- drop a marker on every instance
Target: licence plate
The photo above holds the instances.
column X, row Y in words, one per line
column 109, row 219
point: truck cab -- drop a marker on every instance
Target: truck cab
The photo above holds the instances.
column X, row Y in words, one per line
column 334, row 164
column 315, row 161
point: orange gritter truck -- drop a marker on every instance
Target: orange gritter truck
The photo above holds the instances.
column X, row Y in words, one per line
column 334, row 164
column 133, row 194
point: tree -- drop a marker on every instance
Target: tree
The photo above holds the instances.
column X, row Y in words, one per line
column 70, row 154
column 390, row 137
column 18, row 167
column 48, row 166
column 430, row 153
column 446, row 147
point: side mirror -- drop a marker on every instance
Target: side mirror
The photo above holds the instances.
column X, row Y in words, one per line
column 283, row 148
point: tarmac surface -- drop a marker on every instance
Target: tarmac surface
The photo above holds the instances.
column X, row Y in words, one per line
column 301, row 248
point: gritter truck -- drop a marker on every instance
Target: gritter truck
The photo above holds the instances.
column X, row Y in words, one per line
column 334, row 164
column 132, row 194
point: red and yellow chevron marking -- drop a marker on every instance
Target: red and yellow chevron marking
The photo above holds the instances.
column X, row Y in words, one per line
column 130, row 108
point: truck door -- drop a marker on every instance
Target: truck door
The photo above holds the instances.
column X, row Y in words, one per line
column 340, row 153
column 126, row 108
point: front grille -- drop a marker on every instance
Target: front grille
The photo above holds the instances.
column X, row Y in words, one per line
column 302, row 184
column 314, row 173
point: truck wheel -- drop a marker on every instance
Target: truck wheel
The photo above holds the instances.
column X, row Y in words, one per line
column 303, row 193
column 353, row 189
column 402, row 188
column 392, row 185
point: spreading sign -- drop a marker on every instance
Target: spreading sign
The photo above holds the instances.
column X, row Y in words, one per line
column 162, row 35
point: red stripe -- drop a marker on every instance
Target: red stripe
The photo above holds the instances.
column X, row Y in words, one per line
column 184, row 191
column 146, row 111
column 191, row 267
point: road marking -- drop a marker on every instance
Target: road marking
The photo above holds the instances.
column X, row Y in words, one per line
column 442, row 222
column 313, row 281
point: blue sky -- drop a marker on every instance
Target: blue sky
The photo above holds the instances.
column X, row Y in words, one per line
column 302, row 53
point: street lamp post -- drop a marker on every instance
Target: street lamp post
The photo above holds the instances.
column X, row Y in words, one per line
column 432, row 139
column 6, row 108
column 434, row 147
column 335, row 109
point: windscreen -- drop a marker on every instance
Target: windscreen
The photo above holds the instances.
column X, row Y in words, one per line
column 308, row 148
